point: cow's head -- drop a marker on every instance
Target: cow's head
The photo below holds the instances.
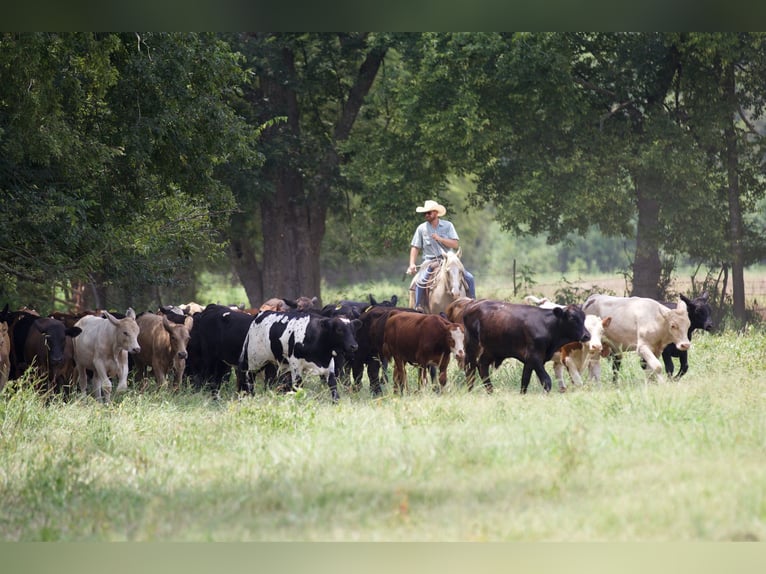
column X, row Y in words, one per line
column 595, row 326
column 343, row 333
column 126, row 331
column 572, row 323
column 700, row 313
column 179, row 337
column 54, row 334
column 678, row 326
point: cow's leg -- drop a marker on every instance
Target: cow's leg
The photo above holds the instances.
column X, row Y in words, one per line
column 653, row 365
column 667, row 359
column 122, row 381
column 558, row 371
column 539, row 370
column 683, row 357
column 526, row 376
column 333, row 385
column 616, row 362
column 400, row 380
column 179, row 365
column 484, row 374
column 159, row 373
column 442, row 374
column 373, row 374
column 574, row 370
column 82, row 379
column 594, row 369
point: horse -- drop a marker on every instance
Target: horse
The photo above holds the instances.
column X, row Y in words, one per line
column 445, row 284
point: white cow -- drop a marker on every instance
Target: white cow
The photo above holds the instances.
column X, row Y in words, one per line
column 641, row 324
column 103, row 348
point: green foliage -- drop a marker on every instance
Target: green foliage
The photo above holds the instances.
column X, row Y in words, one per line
column 109, row 149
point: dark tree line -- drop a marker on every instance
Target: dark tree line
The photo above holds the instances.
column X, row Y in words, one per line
column 129, row 160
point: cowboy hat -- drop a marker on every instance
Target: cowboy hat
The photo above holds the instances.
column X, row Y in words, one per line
column 431, row 205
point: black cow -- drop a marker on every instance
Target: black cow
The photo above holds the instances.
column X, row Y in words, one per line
column 48, row 348
column 346, row 365
column 496, row 330
column 700, row 316
column 216, row 340
column 354, row 309
column 305, row 342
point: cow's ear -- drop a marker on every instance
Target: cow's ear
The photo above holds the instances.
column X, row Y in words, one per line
column 559, row 312
column 685, row 299
column 606, row 322
column 704, row 297
column 73, row 331
column 167, row 324
column 681, row 307
column 130, row 313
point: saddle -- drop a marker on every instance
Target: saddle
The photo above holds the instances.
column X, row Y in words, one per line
column 433, row 268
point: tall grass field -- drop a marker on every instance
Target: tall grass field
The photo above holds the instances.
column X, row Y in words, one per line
column 633, row 461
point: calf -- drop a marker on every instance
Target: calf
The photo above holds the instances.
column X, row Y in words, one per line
column 305, row 342
column 163, row 347
column 422, row 340
column 640, row 324
column 102, row 347
column 700, row 317
column 580, row 358
column 496, row 330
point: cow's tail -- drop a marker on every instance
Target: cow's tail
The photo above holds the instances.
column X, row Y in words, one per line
column 243, row 363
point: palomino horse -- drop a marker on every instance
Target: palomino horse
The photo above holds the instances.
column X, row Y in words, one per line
column 445, row 284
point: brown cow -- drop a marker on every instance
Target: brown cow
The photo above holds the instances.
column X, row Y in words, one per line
column 454, row 310
column 163, row 347
column 422, row 340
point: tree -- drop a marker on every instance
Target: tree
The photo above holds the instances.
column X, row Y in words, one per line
column 725, row 81
column 109, row 149
column 318, row 84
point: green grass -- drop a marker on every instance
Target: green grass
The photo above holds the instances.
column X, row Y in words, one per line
column 637, row 461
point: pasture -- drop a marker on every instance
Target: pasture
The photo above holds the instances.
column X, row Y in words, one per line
column 636, row 461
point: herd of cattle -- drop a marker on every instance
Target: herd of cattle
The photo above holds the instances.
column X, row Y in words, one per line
column 90, row 351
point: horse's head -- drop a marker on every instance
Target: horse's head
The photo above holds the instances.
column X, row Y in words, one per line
column 452, row 272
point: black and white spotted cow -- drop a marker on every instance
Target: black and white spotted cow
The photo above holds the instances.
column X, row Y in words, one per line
column 307, row 343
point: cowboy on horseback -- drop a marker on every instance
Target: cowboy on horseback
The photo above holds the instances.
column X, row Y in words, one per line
column 434, row 237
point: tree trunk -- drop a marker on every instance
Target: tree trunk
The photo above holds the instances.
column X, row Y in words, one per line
column 245, row 263
column 293, row 230
column 647, row 267
column 731, row 160
column 293, row 214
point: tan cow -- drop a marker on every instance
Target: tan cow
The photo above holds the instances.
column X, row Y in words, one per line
column 102, row 347
column 641, row 324
column 163, row 347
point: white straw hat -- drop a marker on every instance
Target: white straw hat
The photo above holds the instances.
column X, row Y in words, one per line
column 431, row 205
